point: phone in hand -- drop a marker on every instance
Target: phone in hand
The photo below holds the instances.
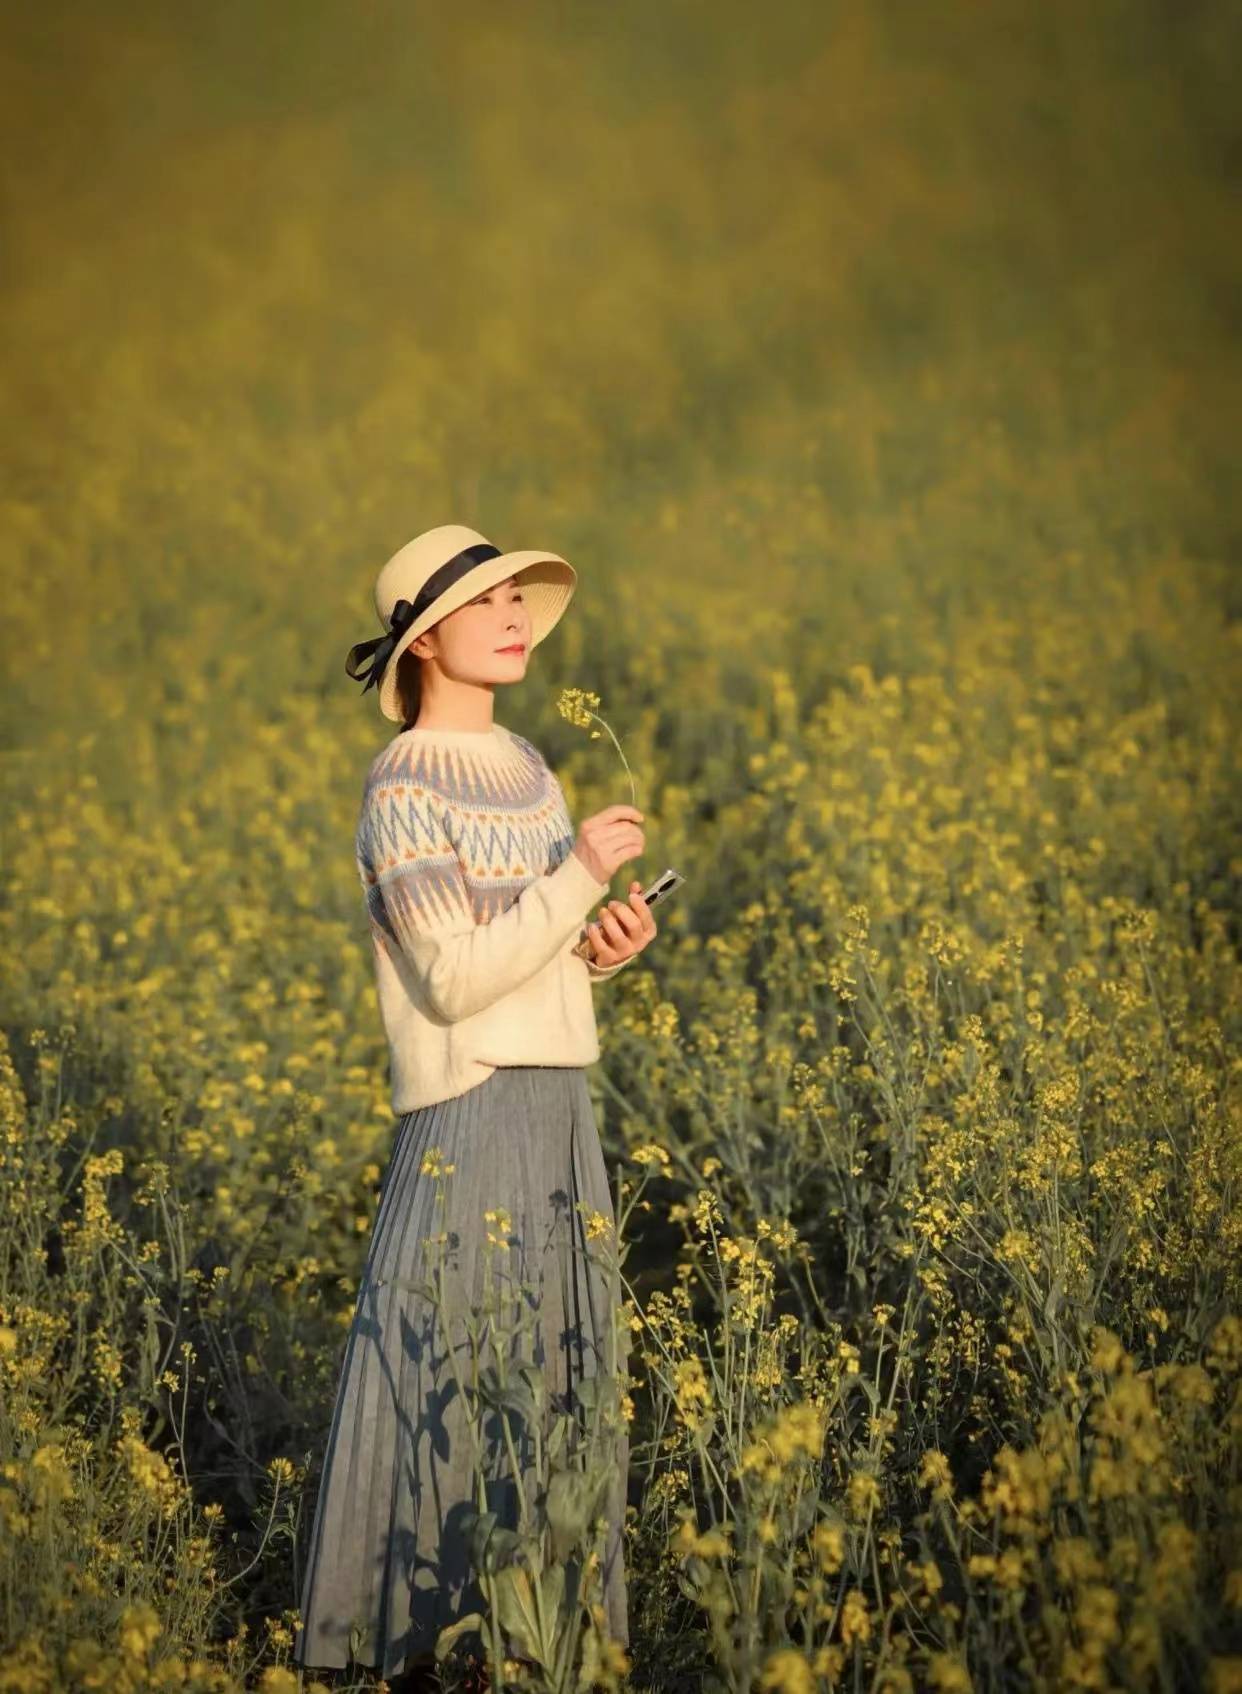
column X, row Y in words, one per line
column 664, row 885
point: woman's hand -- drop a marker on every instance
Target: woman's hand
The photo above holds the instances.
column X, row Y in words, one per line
column 607, row 839
column 623, row 929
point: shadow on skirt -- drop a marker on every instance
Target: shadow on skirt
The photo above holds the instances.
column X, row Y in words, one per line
column 388, row 1564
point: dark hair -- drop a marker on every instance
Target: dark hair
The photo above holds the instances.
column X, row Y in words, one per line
column 409, row 686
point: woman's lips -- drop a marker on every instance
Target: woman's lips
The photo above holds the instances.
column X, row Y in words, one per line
column 517, row 647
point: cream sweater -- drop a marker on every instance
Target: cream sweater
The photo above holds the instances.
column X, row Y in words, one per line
column 475, row 899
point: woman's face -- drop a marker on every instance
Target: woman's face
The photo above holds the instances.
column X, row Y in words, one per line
column 486, row 640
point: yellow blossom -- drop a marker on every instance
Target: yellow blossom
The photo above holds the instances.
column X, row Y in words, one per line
column 651, row 1153
column 576, row 705
column 948, row 1675
column 499, row 1226
column 863, row 1492
column 691, row 1391
column 828, row 1541
column 434, row 1164
column 934, row 1473
column 855, row 1618
column 138, row 1630
column 786, row 1671
column 709, row 1544
column 598, row 1224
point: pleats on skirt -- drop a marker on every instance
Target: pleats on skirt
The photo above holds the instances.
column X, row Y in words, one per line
column 388, row 1562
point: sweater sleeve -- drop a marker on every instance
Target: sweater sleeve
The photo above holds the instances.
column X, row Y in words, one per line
column 421, row 901
column 601, row 973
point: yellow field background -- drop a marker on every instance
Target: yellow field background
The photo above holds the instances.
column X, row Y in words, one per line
column 878, row 367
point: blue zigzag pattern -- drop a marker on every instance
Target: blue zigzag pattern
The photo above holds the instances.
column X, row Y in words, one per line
column 444, row 836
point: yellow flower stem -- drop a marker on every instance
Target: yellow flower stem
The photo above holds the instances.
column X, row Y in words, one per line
column 624, row 760
column 442, row 1306
column 725, row 1326
column 667, row 1381
column 495, row 1645
column 741, row 1409
column 943, row 1511
column 897, row 1046
column 624, row 1213
column 881, row 1654
column 502, row 1376
column 759, row 1556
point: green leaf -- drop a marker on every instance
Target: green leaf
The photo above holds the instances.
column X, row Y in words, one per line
column 552, row 1592
column 561, row 1426
column 476, row 1526
column 491, row 1545
column 570, row 1508
column 704, row 1430
column 515, row 1397
column 532, row 1376
column 515, row 1610
column 695, row 1575
column 805, row 1513
column 471, row 1623
column 586, row 1392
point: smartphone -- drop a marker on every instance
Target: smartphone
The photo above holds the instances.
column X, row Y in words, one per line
column 660, row 889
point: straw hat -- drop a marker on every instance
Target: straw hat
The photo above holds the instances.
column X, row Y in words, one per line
column 434, row 574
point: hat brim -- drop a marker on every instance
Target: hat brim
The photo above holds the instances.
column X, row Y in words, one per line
column 548, row 583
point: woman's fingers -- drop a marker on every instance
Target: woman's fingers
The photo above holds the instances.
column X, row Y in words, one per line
column 611, row 941
column 646, row 917
column 625, row 917
column 637, row 916
column 618, row 937
column 605, row 952
column 627, row 928
column 622, row 928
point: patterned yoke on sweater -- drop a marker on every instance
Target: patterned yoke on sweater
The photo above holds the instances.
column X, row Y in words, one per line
column 476, row 900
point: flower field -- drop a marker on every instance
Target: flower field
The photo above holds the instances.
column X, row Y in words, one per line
column 880, row 374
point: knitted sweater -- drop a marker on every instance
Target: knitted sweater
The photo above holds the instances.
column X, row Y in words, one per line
column 475, row 899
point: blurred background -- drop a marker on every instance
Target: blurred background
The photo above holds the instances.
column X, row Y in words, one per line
column 818, row 315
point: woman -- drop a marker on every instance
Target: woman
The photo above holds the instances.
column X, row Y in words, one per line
column 476, row 889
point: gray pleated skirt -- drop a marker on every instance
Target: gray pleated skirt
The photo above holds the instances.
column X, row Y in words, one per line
column 388, row 1563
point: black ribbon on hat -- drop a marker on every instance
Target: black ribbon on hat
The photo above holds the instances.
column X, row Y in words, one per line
column 405, row 612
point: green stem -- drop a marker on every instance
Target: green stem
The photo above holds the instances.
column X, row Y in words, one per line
column 624, row 760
